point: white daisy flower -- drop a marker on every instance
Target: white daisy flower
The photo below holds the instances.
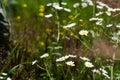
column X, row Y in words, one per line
column 35, row 61
column 76, row 5
column 63, row 3
column 109, row 25
column 99, row 7
column 57, row 6
column 99, row 23
column 69, row 25
column 108, row 13
column 49, row 4
column 44, row 55
column 48, row 16
column 72, row 56
column 4, row 74
column 84, row 58
column 89, row 64
column 70, row 63
column 1, row 77
column 62, row 58
column 98, row 14
column 9, row 78
column 118, row 25
column 83, row 32
column 96, row 71
column 84, row 5
column 66, row 9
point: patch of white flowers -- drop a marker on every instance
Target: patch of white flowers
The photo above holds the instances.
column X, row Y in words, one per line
column 99, row 21
column 4, row 76
column 65, row 57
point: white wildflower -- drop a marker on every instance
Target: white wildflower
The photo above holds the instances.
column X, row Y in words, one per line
column 108, row 13
column 70, row 63
column 103, row 71
column 93, row 19
column 4, row 74
column 65, row 57
column 1, row 77
column 66, row 9
column 76, row 5
column 96, row 19
column 57, row 6
column 102, row 4
column 62, row 58
column 92, row 32
column 48, row 16
column 96, row 71
column 109, row 25
column 72, row 56
column 49, row 4
column 118, row 25
column 99, row 7
column 63, row 3
column 44, row 55
column 115, row 38
column 84, row 58
column 69, row 25
column 113, row 9
column 90, row 2
column 98, row 14
column 83, row 32
column 84, row 5
column 89, row 64
column 99, row 23
column 35, row 61
column 106, row 75
column 9, row 78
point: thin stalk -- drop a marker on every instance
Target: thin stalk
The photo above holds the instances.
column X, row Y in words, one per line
column 48, row 72
column 58, row 34
column 112, row 67
column 94, row 7
column 93, row 76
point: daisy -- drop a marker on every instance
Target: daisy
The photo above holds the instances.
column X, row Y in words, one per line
column 70, row 63
column 44, row 55
column 83, row 32
column 89, row 64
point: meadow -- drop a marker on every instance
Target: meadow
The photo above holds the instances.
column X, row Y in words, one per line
column 62, row 40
